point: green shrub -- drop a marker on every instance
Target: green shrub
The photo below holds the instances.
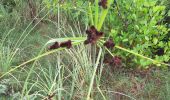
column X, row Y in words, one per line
column 137, row 25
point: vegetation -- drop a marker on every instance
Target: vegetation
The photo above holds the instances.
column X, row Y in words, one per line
column 84, row 49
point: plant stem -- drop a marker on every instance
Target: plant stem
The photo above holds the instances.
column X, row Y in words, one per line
column 103, row 14
column 154, row 61
column 94, row 73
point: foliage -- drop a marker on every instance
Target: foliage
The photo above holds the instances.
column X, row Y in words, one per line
column 137, row 25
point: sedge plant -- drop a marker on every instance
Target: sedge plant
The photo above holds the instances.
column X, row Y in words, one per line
column 97, row 19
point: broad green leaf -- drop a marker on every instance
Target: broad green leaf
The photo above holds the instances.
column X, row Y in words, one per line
column 169, row 43
column 169, row 13
column 149, row 4
column 134, row 17
column 158, row 8
column 145, row 62
column 1, row 16
column 155, row 41
column 166, row 58
column 161, row 44
column 137, row 27
column 125, row 40
column 147, row 38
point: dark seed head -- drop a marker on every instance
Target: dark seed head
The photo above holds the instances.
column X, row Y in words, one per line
column 93, row 29
column 54, row 46
column 69, row 44
column 86, row 42
column 103, row 3
column 100, row 3
column 160, row 52
column 107, row 58
column 116, row 60
column 92, row 35
column 99, row 33
column 109, row 43
column 66, row 44
column 88, row 32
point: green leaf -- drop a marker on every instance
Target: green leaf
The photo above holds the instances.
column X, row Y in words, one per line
column 1, row 16
column 137, row 27
column 155, row 41
column 168, row 43
column 134, row 17
column 113, row 33
column 149, row 4
column 161, row 44
column 158, row 65
column 147, row 38
column 125, row 40
column 145, row 62
column 166, row 58
column 158, row 8
column 169, row 13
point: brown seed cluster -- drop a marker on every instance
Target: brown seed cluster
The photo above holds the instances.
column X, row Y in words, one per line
column 92, row 35
column 116, row 60
column 103, row 3
column 109, row 44
column 57, row 45
column 54, row 46
column 112, row 61
column 66, row 44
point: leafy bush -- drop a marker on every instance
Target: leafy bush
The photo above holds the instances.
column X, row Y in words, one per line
column 136, row 25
